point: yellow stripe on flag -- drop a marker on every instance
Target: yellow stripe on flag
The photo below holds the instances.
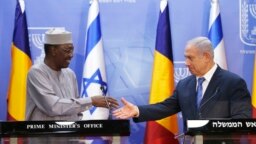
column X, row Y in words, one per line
column 254, row 89
column 17, row 89
column 162, row 87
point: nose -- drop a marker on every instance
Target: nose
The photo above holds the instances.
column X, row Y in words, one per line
column 71, row 54
column 187, row 63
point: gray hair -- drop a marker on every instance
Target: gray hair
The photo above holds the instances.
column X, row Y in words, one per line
column 203, row 44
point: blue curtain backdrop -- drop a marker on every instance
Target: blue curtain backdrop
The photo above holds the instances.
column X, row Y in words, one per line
column 129, row 31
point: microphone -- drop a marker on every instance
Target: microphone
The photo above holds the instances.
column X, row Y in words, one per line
column 103, row 90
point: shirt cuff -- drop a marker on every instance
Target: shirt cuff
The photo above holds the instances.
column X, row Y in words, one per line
column 137, row 112
column 84, row 102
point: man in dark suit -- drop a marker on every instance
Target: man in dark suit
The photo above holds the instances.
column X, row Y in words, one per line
column 223, row 94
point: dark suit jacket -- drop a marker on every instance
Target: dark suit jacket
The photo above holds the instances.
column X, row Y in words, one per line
column 226, row 96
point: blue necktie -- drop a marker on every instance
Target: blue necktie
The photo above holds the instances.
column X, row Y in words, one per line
column 199, row 94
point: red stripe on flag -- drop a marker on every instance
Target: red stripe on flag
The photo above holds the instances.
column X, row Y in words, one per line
column 160, row 133
column 253, row 111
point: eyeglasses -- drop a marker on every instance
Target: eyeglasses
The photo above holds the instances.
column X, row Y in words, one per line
column 66, row 49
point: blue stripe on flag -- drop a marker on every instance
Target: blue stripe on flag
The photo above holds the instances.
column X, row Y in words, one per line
column 163, row 38
column 93, row 35
column 20, row 29
column 215, row 32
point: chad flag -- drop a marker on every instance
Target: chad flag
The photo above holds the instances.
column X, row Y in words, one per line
column 162, row 131
column 254, row 90
column 253, row 140
column 21, row 63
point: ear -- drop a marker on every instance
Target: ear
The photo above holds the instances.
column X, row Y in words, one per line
column 207, row 56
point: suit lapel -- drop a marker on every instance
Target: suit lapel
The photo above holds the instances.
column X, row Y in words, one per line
column 211, row 90
column 192, row 92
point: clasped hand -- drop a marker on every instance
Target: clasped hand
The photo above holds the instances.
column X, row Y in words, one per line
column 104, row 101
column 129, row 110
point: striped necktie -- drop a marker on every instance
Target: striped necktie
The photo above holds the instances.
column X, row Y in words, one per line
column 199, row 93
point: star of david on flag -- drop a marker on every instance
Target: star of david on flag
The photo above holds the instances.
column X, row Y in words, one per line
column 96, row 78
column 95, row 81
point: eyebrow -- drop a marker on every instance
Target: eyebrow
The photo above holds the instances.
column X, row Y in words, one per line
column 66, row 47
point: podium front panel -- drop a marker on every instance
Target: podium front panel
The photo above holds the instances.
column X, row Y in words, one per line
column 65, row 128
column 220, row 131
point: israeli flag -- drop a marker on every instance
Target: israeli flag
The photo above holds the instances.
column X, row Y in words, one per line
column 94, row 80
column 216, row 36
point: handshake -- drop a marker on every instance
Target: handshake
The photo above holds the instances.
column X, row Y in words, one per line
column 128, row 110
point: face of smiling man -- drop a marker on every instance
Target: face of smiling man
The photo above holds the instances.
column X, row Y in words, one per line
column 63, row 55
column 58, row 48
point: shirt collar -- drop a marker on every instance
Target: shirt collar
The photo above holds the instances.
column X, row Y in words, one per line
column 210, row 73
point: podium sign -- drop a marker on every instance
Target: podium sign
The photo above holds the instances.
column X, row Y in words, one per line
column 65, row 128
column 220, row 131
column 220, row 126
